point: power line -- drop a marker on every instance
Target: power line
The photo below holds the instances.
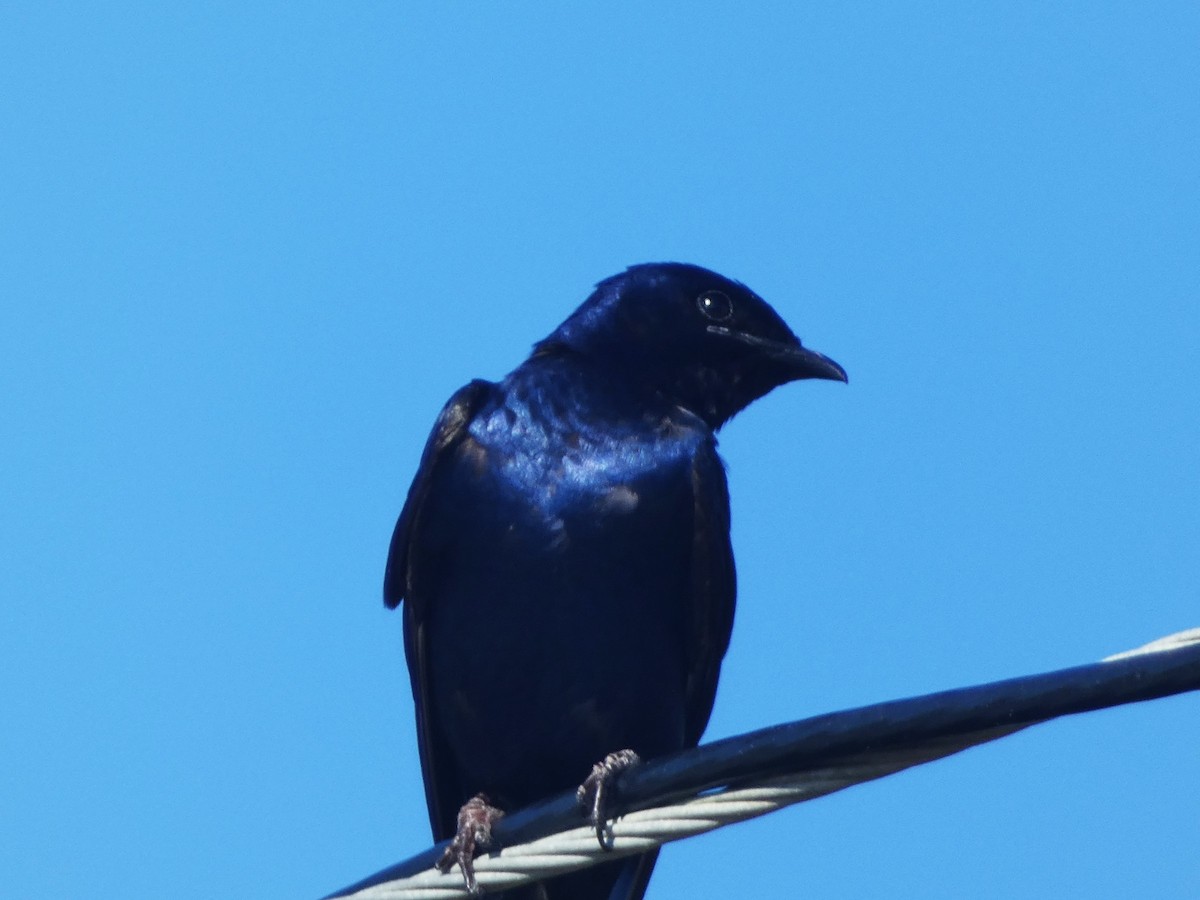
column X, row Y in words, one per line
column 753, row 774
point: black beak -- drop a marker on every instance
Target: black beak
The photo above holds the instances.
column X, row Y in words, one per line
column 795, row 360
column 804, row 363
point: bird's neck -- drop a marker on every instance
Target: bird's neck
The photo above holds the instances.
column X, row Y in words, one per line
column 576, row 383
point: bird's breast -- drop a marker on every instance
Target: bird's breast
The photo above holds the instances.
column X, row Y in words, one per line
column 560, row 466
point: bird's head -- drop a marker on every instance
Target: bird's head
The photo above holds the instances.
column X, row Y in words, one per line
column 700, row 340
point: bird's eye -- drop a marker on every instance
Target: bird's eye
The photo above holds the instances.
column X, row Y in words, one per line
column 715, row 306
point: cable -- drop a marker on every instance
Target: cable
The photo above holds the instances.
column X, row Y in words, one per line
column 751, row 775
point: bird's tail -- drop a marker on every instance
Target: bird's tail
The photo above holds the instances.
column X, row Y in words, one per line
column 624, row 879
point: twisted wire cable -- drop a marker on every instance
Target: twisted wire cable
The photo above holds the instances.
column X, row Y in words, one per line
column 749, row 776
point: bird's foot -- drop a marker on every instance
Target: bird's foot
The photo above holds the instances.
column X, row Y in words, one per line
column 474, row 835
column 595, row 795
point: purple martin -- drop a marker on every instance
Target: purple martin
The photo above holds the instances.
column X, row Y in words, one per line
column 563, row 554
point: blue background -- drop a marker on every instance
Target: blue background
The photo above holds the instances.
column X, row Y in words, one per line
column 247, row 253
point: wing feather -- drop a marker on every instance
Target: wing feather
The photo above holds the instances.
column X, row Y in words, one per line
column 448, row 431
column 714, row 588
column 401, row 582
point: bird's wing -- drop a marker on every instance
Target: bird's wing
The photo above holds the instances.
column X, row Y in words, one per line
column 713, row 588
column 398, row 584
column 448, row 431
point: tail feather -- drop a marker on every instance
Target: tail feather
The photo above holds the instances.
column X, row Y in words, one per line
column 624, row 879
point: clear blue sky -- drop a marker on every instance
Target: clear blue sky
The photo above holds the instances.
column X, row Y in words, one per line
column 247, row 253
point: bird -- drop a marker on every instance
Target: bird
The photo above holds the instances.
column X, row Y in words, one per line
column 563, row 555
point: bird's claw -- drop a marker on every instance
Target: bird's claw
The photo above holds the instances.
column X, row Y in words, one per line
column 472, row 837
column 596, row 793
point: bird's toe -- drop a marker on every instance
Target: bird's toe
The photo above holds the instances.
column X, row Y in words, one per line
column 597, row 793
column 473, row 836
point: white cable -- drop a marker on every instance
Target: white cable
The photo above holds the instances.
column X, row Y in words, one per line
column 643, row 830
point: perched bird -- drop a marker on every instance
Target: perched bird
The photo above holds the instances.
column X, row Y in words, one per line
column 564, row 558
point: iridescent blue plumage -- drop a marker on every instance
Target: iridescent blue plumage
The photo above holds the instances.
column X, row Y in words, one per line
column 564, row 551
